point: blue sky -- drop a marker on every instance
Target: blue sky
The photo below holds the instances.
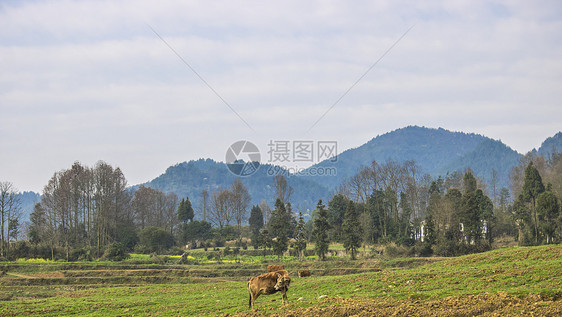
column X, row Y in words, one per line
column 89, row 80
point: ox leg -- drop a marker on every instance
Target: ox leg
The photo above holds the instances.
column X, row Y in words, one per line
column 250, row 302
column 252, row 299
column 284, row 293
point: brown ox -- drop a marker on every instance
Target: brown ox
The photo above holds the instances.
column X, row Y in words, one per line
column 273, row 268
column 267, row 284
column 304, row 273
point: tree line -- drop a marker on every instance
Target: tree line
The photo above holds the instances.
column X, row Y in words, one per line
column 86, row 211
column 447, row 216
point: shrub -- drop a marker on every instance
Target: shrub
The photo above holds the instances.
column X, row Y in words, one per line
column 142, row 249
column 175, row 250
column 156, row 239
column 394, row 250
column 115, row 251
column 158, row 259
column 219, row 242
column 82, row 254
column 424, row 249
column 187, row 259
column 20, row 249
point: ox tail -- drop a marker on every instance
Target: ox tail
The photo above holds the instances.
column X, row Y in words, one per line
column 249, row 300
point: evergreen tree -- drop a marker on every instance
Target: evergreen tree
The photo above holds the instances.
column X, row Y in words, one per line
column 185, row 214
column 256, row 224
column 196, row 231
column 486, row 215
column 405, row 227
column 300, row 236
column 336, row 211
column 532, row 188
column 375, row 208
column 548, row 211
column 435, row 210
column 351, row 230
column 470, row 218
column 522, row 215
column 292, row 219
column 185, row 211
column 505, row 222
column 37, row 225
column 429, row 236
column 476, row 211
column 453, row 202
column 265, row 240
column 469, row 182
column 320, row 231
column 280, row 228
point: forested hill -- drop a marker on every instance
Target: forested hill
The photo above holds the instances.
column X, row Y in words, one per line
column 191, row 178
column 436, row 151
column 28, row 201
column 551, row 145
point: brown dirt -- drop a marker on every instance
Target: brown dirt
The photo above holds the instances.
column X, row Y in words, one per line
column 469, row 305
column 45, row 275
column 38, row 275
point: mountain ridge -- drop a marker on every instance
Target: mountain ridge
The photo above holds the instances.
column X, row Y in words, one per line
column 436, row 150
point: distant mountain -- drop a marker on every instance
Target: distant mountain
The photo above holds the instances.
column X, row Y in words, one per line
column 191, row 178
column 436, row 151
column 551, row 145
column 27, row 203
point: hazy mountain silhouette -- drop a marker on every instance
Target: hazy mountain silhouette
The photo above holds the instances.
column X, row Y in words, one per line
column 436, row 151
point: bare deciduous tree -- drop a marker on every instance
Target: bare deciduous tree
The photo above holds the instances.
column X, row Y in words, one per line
column 266, row 210
column 221, row 209
column 240, row 201
column 9, row 210
column 204, row 203
column 282, row 189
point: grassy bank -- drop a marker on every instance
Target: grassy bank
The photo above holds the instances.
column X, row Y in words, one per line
column 525, row 279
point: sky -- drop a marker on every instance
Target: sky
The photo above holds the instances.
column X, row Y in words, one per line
column 143, row 85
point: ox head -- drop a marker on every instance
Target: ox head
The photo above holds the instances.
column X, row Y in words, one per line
column 283, row 282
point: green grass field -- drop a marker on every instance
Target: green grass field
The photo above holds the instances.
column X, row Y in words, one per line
column 523, row 279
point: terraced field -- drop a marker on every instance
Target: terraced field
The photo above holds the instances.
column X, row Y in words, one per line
column 512, row 281
column 31, row 280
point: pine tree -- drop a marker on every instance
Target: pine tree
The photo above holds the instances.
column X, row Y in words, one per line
column 405, row 228
column 375, row 208
column 185, row 214
column 548, row 211
column 476, row 211
column 469, row 182
column 37, row 226
column 532, row 188
column 265, row 240
column 185, row 211
column 256, row 224
column 352, row 230
column 336, row 212
column 279, row 228
column 320, row 231
column 300, row 236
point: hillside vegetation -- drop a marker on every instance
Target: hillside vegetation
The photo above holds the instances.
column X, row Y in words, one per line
column 191, row 178
column 513, row 281
column 436, row 151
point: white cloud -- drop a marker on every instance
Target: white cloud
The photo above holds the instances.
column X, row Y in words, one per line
column 89, row 80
